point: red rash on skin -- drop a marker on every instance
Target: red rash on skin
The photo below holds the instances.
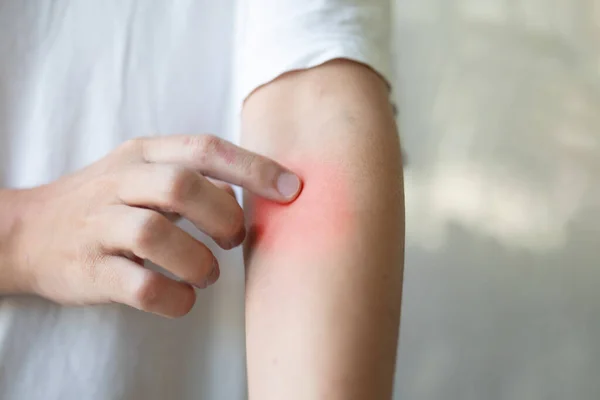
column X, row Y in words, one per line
column 317, row 219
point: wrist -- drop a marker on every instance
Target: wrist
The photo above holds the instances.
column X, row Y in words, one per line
column 13, row 206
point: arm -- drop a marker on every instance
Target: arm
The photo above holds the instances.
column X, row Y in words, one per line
column 324, row 274
column 11, row 204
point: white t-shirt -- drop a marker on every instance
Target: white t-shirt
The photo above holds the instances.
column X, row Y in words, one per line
column 77, row 78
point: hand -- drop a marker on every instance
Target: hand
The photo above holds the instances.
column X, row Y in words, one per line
column 83, row 238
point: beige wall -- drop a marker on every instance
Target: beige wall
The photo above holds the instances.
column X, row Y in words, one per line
column 500, row 118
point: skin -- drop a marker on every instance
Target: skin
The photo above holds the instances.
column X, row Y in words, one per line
column 324, row 270
column 83, row 239
column 324, row 273
column 270, row 227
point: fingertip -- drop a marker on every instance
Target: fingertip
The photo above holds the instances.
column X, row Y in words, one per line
column 214, row 275
column 185, row 305
column 155, row 293
column 288, row 185
column 237, row 240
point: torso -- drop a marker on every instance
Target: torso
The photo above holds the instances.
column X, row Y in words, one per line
column 77, row 79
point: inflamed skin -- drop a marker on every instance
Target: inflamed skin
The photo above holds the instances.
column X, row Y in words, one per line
column 315, row 221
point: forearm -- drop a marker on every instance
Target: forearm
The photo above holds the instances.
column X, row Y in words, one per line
column 324, row 274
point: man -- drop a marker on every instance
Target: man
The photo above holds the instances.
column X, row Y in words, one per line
column 116, row 200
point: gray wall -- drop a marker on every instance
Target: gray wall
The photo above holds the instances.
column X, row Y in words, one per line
column 500, row 119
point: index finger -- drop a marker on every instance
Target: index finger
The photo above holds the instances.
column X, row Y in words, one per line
column 222, row 160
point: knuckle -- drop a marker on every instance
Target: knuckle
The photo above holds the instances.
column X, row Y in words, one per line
column 151, row 229
column 253, row 170
column 248, row 164
column 234, row 223
column 203, row 146
column 132, row 146
column 199, row 264
column 149, row 292
column 180, row 185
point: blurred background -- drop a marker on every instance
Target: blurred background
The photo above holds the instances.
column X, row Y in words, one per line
column 500, row 116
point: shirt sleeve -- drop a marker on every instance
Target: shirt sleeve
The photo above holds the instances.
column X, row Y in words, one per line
column 278, row 36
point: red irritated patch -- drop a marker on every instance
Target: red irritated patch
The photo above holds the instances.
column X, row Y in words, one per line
column 315, row 221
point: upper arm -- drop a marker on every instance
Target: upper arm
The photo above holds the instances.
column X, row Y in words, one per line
column 278, row 36
column 333, row 126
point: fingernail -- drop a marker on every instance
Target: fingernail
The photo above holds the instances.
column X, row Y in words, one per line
column 212, row 277
column 214, row 274
column 288, row 184
column 239, row 239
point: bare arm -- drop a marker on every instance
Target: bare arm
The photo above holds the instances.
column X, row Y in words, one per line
column 324, row 274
